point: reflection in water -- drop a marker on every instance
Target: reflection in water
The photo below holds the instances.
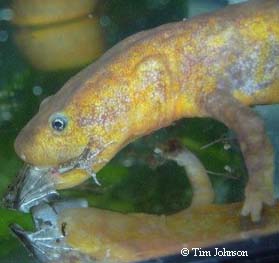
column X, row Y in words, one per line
column 48, row 32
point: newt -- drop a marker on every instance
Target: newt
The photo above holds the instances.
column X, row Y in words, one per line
column 214, row 65
column 82, row 234
column 119, row 237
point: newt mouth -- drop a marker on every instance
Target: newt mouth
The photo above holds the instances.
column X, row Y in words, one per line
column 35, row 185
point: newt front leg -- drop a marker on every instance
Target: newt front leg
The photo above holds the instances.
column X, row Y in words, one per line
column 255, row 145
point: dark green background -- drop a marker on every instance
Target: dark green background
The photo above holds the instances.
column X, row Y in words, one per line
column 145, row 186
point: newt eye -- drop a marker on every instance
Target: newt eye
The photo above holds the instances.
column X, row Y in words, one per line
column 58, row 122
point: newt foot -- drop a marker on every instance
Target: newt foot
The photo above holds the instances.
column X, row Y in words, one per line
column 254, row 202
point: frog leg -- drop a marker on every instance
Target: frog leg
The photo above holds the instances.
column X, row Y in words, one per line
column 255, row 146
column 90, row 157
column 203, row 193
column 33, row 186
column 48, row 242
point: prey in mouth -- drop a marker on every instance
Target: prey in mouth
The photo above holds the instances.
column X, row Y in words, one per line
column 36, row 185
column 59, row 151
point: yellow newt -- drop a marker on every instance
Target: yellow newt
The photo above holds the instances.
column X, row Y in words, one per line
column 214, row 65
column 82, row 234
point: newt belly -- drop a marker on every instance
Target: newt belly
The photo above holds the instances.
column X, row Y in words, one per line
column 214, row 65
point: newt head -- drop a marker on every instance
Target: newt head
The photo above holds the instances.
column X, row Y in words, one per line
column 73, row 135
column 61, row 137
column 51, row 138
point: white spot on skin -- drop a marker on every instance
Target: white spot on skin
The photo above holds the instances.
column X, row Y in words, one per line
column 243, row 74
column 151, row 74
column 107, row 113
column 236, row 62
column 150, row 77
column 22, row 156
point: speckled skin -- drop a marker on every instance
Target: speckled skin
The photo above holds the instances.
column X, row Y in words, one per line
column 210, row 66
column 117, row 238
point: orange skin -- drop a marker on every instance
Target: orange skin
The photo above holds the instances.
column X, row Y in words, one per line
column 137, row 237
column 209, row 66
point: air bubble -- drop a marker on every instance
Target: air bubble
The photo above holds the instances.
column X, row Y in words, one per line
column 157, row 151
column 6, row 115
column 105, row 21
column 128, row 163
column 227, row 146
column 37, row 90
column 6, row 14
column 3, row 36
column 228, row 168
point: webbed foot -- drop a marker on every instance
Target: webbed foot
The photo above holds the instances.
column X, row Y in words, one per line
column 33, row 186
column 48, row 243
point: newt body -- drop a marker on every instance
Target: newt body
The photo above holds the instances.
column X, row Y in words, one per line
column 214, row 65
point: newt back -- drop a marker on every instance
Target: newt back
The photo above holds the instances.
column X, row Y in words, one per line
column 235, row 49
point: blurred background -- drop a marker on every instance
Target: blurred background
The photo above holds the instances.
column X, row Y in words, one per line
column 43, row 44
